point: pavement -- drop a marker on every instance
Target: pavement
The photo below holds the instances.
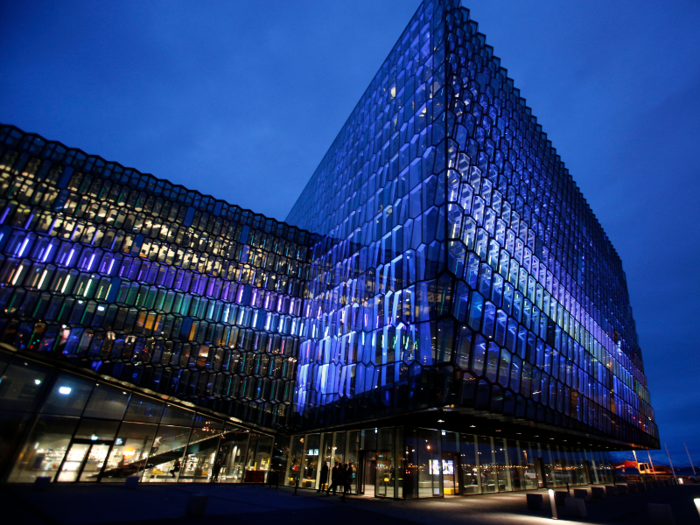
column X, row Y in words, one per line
column 155, row 504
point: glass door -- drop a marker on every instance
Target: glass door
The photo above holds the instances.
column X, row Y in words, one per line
column 84, row 461
column 450, row 474
column 70, row 469
column 92, row 467
column 368, row 473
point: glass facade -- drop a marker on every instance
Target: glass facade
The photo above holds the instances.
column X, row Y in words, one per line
column 440, row 269
column 74, row 426
column 136, row 278
column 460, row 264
column 409, row 462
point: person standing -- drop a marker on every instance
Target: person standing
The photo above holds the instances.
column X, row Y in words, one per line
column 341, row 477
column 334, row 478
column 349, row 475
column 215, row 471
column 324, row 476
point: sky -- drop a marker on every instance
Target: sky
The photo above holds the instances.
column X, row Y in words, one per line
column 241, row 100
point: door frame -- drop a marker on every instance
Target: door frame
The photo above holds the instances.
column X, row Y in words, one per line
column 83, row 441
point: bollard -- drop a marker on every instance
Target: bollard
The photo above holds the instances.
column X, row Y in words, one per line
column 611, row 490
column 553, row 504
column 197, row 505
column 641, row 486
column 660, row 514
column 697, row 505
column 598, row 492
column 535, row 502
column 560, row 496
column 631, row 488
column 622, row 489
column 575, row 507
column 42, row 483
column 582, row 493
column 131, row 482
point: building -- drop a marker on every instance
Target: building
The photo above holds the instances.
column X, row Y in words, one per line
column 441, row 308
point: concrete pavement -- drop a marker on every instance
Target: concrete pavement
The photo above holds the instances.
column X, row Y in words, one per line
column 75, row 504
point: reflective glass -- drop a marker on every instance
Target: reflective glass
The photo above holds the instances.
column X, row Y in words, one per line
column 68, row 396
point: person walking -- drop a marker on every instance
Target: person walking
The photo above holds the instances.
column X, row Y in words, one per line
column 334, row 478
column 176, row 468
column 324, row 476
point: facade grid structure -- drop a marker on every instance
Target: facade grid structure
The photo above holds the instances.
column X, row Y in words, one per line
column 441, row 309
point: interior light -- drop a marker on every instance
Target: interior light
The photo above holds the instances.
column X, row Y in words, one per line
column 94, row 437
column 65, row 390
column 37, row 381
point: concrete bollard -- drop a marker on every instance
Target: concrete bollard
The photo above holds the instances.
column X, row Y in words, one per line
column 631, row 488
column 582, row 493
column 131, row 482
column 197, row 505
column 641, row 486
column 535, row 502
column 598, row 492
column 42, row 483
column 660, row 514
column 622, row 489
column 611, row 490
column 559, row 497
column 575, row 507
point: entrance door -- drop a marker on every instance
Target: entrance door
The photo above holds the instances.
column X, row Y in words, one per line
column 450, row 474
column 84, row 461
column 384, row 484
column 368, row 473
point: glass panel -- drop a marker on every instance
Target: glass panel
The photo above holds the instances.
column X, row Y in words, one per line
column 258, row 462
column 200, row 460
column 549, row 467
column 12, row 427
column 96, row 430
column 502, row 466
column 93, row 464
column 21, row 385
column 385, row 463
column 429, row 463
column 173, row 415
column 280, row 457
column 45, row 449
column 165, row 459
column 294, row 464
column 526, row 455
column 325, row 458
column 353, row 446
column 4, row 361
column 487, row 465
column 232, row 451
column 73, row 461
column 107, row 402
column 470, row 481
column 312, row 451
column 143, row 409
column 129, row 452
column 68, row 396
column 580, row 476
column 450, row 463
column 339, row 446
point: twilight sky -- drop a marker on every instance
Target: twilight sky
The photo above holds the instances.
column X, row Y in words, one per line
column 241, row 100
